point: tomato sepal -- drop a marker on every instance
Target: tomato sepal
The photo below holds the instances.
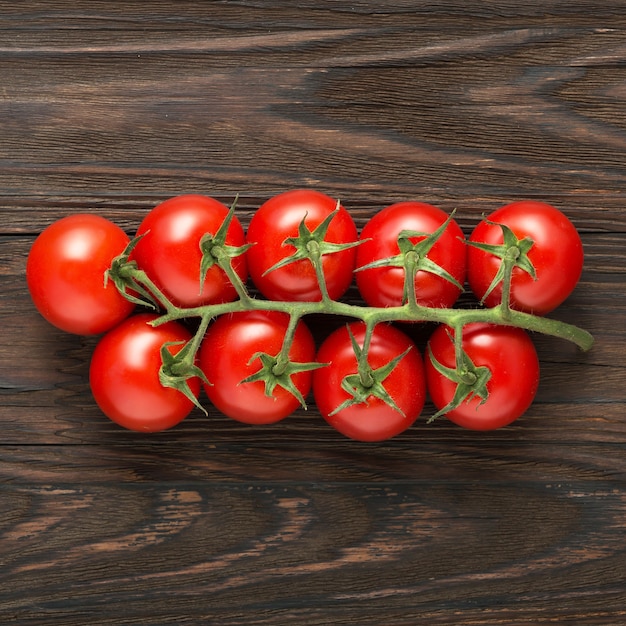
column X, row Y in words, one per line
column 128, row 278
column 413, row 258
column 311, row 244
column 513, row 253
column 215, row 250
column 177, row 369
column 471, row 381
column 277, row 372
column 368, row 382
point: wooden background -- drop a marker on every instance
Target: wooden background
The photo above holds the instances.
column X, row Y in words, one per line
column 112, row 107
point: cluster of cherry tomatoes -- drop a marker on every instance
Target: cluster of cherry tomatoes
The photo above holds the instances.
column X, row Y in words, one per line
column 370, row 383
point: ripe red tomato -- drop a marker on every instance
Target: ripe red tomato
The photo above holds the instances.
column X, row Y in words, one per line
column 170, row 252
column 65, row 274
column 510, row 355
column 228, row 356
column 556, row 255
column 280, row 218
column 383, row 286
column 374, row 419
column 124, row 375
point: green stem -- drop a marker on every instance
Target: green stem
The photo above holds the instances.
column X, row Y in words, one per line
column 142, row 278
column 205, row 320
column 364, row 368
column 508, row 263
column 410, row 272
column 457, row 329
column 282, row 360
column 465, row 376
column 409, row 312
column 316, row 260
column 226, row 263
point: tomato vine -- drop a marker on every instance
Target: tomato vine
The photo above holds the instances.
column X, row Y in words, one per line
column 410, row 265
column 311, row 246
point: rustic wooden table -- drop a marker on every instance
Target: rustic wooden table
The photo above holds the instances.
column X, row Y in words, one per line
column 111, row 107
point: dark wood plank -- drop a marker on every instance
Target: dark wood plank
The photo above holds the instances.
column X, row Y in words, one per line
column 112, row 107
column 491, row 552
column 501, row 106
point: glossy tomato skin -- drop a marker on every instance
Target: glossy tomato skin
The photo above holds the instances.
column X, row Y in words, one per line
column 510, row 355
column 557, row 256
column 65, row 274
column 383, row 286
column 279, row 218
column 124, row 375
column 225, row 358
column 170, row 254
column 376, row 420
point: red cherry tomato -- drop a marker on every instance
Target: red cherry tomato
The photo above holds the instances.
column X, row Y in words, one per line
column 556, row 255
column 279, row 218
column 383, row 286
column 375, row 419
column 124, row 375
column 170, row 254
column 227, row 357
column 510, row 355
column 65, row 274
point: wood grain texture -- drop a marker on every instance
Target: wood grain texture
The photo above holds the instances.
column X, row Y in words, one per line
column 112, row 107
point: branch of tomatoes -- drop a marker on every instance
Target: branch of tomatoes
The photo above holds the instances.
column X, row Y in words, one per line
column 256, row 358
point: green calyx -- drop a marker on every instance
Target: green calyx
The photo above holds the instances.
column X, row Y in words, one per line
column 471, row 381
column 275, row 371
column 367, row 382
column 413, row 258
column 215, row 250
column 513, row 253
column 177, row 369
column 311, row 245
column 129, row 280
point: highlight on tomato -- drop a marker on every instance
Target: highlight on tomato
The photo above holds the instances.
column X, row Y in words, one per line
column 170, row 254
column 439, row 251
column 549, row 259
column 125, row 380
column 246, row 381
column 372, row 396
column 281, row 233
column 495, row 382
column 65, row 273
